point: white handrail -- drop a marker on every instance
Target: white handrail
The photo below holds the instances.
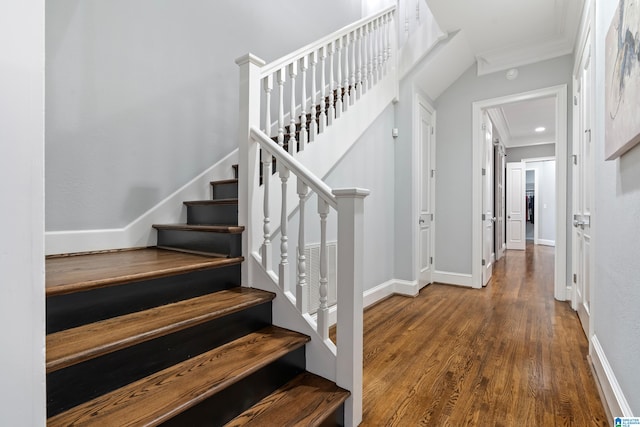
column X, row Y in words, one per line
column 298, row 169
column 287, row 59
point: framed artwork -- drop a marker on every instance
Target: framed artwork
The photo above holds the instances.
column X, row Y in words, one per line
column 622, row 80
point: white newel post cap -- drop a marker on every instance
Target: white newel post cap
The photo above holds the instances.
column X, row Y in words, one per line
column 250, row 58
column 358, row 193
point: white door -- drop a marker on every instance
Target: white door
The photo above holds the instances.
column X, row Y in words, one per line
column 582, row 192
column 426, row 202
column 488, row 254
column 516, row 215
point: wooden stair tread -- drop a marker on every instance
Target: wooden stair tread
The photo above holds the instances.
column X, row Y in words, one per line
column 211, row 202
column 225, row 181
column 159, row 397
column 313, row 398
column 193, row 251
column 71, row 346
column 74, row 273
column 231, row 229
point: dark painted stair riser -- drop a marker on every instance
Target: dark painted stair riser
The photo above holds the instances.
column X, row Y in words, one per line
column 227, row 189
column 79, row 383
column 223, row 244
column 70, row 310
column 213, row 212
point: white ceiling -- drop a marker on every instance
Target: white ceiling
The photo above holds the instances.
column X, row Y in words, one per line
column 508, row 33
column 516, row 122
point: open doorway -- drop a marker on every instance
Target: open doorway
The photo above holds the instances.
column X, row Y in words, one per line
column 557, row 97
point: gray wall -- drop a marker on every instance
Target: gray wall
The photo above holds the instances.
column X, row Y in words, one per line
column 454, row 150
column 22, row 306
column 516, row 154
column 142, row 96
column 616, row 295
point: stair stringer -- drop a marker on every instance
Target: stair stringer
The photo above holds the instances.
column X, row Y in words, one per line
column 320, row 354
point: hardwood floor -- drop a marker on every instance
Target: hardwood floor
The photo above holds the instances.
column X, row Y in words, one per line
column 505, row 355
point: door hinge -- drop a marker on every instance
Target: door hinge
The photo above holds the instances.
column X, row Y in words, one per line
column 575, row 100
column 589, row 132
column 575, row 159
column 433, row 173
column 484, row 171
column 431, row 215
column 431, row 260
column 432, row 131
column 575, row 278
column 484, row 217
column 484, row 262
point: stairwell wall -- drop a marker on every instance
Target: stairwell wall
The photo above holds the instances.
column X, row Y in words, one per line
column 454, row 150
column 142, row 97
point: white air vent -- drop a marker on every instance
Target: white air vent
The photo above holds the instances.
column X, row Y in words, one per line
column 312, row 255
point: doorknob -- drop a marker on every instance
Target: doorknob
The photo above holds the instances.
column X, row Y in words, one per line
column 421, row 221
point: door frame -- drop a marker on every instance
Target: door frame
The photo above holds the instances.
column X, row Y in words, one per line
column 420, row 100
column 536, row 208
column 559, row 92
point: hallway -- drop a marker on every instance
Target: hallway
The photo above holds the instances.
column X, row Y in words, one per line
column 503, row 356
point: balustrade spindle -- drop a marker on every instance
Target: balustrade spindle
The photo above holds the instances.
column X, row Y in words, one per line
column 304, row 64
column 374, row 53
column 380, row 42
column 302, row 288
column 283, row 270
column 356, row 76
column 313, row 123
column 332, row 86
column 389, row 35
column 385, row 46
column 323, row 309
column 370, row 57
column 266, row 244
column 281, row 81
column 293, row 72
column 348, row 46
column 268, row 87
column 339, row 78
column 365, row 57
column 322, row 119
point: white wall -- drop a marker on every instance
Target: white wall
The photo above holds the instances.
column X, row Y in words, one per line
column 515, row 154
column 616, row 296
column 454, row 150
column 545, row 173
column 22, row 387
column 142, row 96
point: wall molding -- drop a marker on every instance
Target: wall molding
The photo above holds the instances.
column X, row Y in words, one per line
column 139, row 232
column 449, row 278
column 614, row 398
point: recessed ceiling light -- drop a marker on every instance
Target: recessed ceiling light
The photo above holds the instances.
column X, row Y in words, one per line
column 540, row 129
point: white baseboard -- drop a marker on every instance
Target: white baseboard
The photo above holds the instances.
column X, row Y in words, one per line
column 613, row 395
column 139, row 233
column 449, row 278
column 388, row 288
column 545, row 242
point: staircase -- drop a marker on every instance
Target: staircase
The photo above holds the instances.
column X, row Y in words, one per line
column 168, row 335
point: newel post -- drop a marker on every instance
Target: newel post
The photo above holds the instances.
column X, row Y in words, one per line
column 350, row 289
column 249, row 116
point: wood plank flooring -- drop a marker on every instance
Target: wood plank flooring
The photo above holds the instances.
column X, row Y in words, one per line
column 506, row 355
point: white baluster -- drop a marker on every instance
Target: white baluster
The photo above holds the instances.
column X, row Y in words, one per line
column 332, row 86
column 374, row 52
column 356, row 76
column 281, row 80
column 365, row 57
column 348, row 46
column 370, row 57
column 268, row 87
column 380, row 43
column 386, row 47
column 323, row 309
column 313, row 123
column 283, row 270
column 389, row 35
column 293, row 72
column 266, row 244
column 322, row 120
column 302, row 289
column 339, row 78
column 304, row 64
column 418, row 10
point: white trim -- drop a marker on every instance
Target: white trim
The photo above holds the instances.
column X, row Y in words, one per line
column 449, row 278
column 389, row 288
column 406, row 288
column 545, row 242
column 139, row 232
column 560, row 94
column 614, row 398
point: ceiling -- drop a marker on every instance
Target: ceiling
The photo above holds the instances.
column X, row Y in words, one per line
column 509, row 33
column 516, row 122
